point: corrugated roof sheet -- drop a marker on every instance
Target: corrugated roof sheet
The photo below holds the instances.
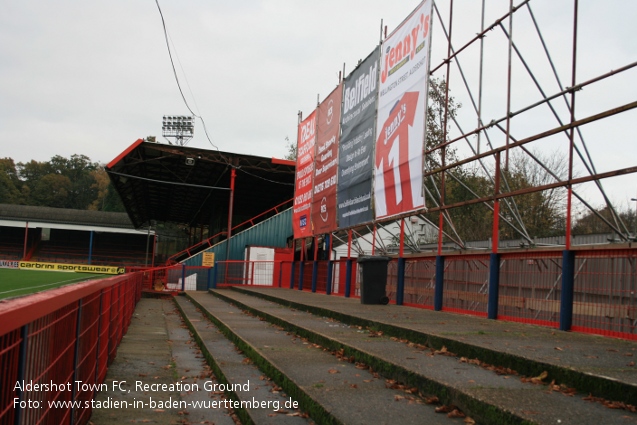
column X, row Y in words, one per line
column 64, row 216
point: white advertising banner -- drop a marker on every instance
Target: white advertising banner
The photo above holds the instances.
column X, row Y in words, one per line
column 400, row 126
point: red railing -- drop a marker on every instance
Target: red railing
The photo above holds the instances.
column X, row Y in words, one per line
column 59, row 337
column 529, row 284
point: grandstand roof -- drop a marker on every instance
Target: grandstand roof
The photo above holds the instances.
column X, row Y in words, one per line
column 184, row 185
column 63, row 216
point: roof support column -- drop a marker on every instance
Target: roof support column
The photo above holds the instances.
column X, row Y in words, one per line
column 233, row 175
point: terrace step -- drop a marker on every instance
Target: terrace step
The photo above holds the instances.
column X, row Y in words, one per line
column 332, row 390
column 233, row 368
column 488, row 397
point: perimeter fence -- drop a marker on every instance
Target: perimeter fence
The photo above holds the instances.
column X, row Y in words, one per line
column 52, row 340
column 586, row 290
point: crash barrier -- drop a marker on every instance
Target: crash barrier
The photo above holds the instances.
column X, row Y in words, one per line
column 182, row 277
column 592, row 291
column 55, row 347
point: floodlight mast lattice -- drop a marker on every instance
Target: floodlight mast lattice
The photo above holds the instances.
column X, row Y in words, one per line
column 179, row 127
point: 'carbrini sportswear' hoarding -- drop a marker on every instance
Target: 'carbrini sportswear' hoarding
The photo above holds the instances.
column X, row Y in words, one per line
column 402, row 103
column 301, row 221
column 356, row 160
column 328, row 117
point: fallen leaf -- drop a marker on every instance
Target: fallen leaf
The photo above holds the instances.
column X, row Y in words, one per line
column 455, row 413
column 432, row 400
column 444, row 409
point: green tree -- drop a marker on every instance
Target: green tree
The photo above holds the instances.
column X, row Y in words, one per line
column 291, row 147
column 591, row 223
column 543, row 212
column 9, row 183
column 51, row 190
column 112, row 202
column 74, row 184
column 79, row 169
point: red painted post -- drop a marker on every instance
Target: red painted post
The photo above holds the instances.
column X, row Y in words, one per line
column 26, row 240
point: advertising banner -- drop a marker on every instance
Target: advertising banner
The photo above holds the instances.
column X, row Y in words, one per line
column 301, row 222
column 7, row 264
column 355, row 157
column 77, row 268
column 402, row 102
column 328, row 121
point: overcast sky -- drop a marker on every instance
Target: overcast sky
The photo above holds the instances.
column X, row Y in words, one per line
column 91, row 77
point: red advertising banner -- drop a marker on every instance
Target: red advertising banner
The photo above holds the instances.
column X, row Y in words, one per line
column 326, row 162
column 402, row 101
column 306, row 139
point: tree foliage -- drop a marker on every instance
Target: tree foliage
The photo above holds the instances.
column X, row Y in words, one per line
column 75, row 182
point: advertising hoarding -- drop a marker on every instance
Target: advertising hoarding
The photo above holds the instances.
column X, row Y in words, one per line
column 326, row 162
column 355, row 158
column 306, row 139
column 402, row 102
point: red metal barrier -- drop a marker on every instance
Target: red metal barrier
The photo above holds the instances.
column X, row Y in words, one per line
column 605, row 295
column 420, row 282
column 59, row 337
column 530, row 287
column 466, row 284
column 257, row 273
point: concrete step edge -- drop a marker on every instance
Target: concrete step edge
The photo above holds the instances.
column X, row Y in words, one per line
column 317, row 412
column 598, row 386
column 481, row 411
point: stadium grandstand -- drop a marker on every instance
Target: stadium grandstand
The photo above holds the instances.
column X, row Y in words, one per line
column 203, row 191
column 57, row 235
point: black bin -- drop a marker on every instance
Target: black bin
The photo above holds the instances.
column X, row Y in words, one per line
column 373, row 279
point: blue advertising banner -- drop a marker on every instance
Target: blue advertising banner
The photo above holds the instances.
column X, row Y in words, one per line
column 355, row 159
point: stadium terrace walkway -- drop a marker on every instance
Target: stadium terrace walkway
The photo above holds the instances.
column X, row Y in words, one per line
column 345, row 362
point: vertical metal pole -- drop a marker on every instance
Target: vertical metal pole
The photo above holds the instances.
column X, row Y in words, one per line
column 22, row 366
column 566, row 296
column 440, row 279
column 348, row 266
column 233, row 175
column 508, row 124
column 293, row 265
column 443, row 152
column 315, row 265
column 400, row 278
column 374, row 240
column 26, row 240
column 76, row 357
column 152, row 260
column 494, row 286
column 496, row 206
column 147, row 243
column 569, row 187
column 330, row 266
column 302, row 264
column 90, row 246
column 99, row 333
column 183, row 277
column 480, row 78
column 348, row 277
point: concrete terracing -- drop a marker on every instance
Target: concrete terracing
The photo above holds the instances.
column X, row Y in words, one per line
column 345, row 362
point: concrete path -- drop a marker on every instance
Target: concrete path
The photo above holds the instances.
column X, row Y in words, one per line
column 154, row 372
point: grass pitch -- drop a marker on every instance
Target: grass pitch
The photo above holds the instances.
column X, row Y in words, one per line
column 14, row 282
